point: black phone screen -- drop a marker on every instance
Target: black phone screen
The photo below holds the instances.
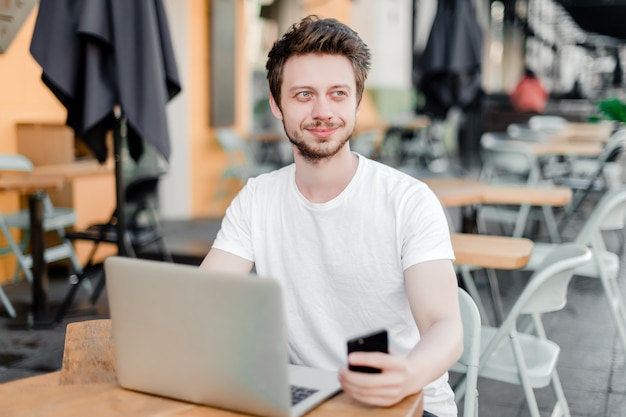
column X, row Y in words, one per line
column 372, row 342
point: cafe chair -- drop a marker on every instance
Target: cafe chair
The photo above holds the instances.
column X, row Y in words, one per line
column 143, row 230
column 55, row 220
column 547, row 123
column 608, row 215
column 512, row 162
column 602, row 173
column 526, row 357
column 469, row 360
column 241, row 163
column 522, row 131
column 367, row 143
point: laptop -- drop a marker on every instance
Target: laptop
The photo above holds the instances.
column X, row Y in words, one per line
column 209, row 338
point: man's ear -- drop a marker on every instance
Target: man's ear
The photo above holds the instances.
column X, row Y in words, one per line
column 275, row 109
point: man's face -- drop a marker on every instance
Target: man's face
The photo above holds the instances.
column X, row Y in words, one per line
column 318, row 104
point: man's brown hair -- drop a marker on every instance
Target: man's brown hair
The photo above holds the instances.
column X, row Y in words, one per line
column 313, row 35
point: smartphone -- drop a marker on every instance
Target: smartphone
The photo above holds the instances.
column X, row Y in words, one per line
column 372, row 342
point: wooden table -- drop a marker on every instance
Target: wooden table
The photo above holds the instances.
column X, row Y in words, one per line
column 76, row 169
column 87, row 386
column 457, row 192
column 34, row 189
column 584, row 132
column 490, row 253
column 44, row 396
column 33, row 184
column 565, row 148
column 487, row 251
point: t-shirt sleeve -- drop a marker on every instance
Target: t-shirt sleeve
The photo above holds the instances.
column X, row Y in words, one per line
column 234, row 235
column 426, row 234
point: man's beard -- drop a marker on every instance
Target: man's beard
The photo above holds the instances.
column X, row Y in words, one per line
column 317, row 152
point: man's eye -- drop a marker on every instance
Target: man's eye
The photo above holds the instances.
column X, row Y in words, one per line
column 304, row 94
column 339, row 93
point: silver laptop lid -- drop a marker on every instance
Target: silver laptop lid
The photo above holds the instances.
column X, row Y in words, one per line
column 209, row 338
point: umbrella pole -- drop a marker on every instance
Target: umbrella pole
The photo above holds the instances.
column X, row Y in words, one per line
column 119, row 136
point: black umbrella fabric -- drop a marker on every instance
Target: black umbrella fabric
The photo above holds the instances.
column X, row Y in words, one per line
column 112, row 65
column 448, row 70
column 96, row 54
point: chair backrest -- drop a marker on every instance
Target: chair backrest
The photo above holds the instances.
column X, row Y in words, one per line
column 524, row 132
column 507, row 160
column 15, row 162
column 609, row 214
column 471, row 329
column 546, row 290
column 235, row 146
column 547, row 123
column 471, row 353
column 614, row 147
column 365, row 143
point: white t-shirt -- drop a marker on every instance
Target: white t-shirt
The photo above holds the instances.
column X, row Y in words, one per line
column 341, row 263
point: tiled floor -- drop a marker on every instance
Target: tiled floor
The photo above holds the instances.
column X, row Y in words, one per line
column 592, row 365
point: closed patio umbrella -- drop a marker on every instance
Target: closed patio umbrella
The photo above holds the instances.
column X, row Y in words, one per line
column 448, row 71
column 112, row 65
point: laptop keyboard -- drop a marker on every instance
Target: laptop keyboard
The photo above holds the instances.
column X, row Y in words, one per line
column 300, row 393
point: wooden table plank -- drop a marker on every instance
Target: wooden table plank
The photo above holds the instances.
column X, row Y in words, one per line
column 78, row 391
column 455, row 192
column 566, row 148
column 495, row 252
column 73, row 170
column 535, row 196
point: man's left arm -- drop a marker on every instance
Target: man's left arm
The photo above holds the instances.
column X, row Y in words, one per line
column 432, row 292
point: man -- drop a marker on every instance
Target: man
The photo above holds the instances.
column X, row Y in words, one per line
column 356, row 245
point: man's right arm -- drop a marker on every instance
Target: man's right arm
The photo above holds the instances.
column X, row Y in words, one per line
column 219, row 260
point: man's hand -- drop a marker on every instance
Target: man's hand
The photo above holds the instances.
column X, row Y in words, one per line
column 393, row 384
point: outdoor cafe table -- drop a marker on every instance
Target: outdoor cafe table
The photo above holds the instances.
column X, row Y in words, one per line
column 34, row 188
column 87, row 386
column 565, row 148
column 456, row 192
column 33, row 184
column 584, row 132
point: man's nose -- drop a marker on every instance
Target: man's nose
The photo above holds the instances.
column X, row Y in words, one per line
column 322, row 109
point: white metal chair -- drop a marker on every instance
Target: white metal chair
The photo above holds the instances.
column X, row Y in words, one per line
column 55, row 219
column 241, row 163
column 603, row 172
column 528, row 358
column 508, row 161
column 524, row 132
column 608, row 215
column 547, row 123
column 367, row 142
column 468, row 362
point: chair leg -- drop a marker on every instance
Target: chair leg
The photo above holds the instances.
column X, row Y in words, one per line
column 470, row 285
column 529, row 392
column 616, row 305
column 71, row 294
column 165, row 252
column 551, row 224
column 18, row 253
column 7, row 303
column 561, row 409
column 496, row 298
column 99, row 287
